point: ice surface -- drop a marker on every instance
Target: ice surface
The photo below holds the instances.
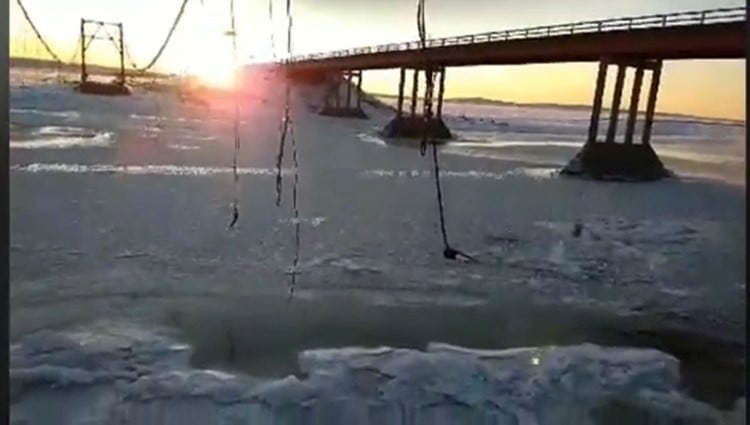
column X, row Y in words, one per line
column 133, row 228
column 119, row 374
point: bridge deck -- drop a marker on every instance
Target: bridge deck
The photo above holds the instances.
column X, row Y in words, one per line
column 718, row 34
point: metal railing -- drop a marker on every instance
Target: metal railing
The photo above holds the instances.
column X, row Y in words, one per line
column 699, row 17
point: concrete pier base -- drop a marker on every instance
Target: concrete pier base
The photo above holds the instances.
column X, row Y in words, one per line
column 413, row 127
column 107, row 89
column 616, row 161
column 626, row 161
column 349, row 108
column 332, row 111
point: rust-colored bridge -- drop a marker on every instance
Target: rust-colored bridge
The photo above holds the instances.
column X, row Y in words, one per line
column 640, row 42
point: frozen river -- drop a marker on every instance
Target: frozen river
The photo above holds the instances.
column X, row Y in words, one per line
column 119, row 213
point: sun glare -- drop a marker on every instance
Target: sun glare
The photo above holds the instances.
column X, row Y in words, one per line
column 211, row 62
column 214, row 73
column 208, row 56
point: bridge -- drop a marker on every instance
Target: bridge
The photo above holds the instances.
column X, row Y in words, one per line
column 639, row 42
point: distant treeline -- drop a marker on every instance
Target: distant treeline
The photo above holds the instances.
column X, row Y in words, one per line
column 673, row 117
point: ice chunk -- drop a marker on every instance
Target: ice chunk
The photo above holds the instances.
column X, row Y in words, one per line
column 128, row 376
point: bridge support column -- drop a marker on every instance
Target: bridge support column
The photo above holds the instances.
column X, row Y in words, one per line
column 610, row 160
column 441, row 91
column 414, row 92
column 401, row 82
column 348, row 109
column 413, row 125
column 651, row 106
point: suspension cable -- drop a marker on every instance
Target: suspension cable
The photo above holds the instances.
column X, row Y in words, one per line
column 76, row 50
column 166, row 40
column 37, row 33
column 153, row 61
column 129, row 57
column 448, row 251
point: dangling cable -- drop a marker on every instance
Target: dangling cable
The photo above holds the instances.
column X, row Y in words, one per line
column 287, row 129
column 285, row 122
column 270, row 22
column 235, row 174
column 295, row 207
column 448, row 251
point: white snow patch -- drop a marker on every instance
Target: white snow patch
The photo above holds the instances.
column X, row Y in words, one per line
column 313, row 221
column 180, row 147
column 162, row 169
column 97, row 140
column 367, row 138
column 535, row 173
column 59, row 114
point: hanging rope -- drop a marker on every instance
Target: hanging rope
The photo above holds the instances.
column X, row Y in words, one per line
column 295, row 207
column 448, row 251
column 286, row 120
column 287, row 129
column 235, row 174
column 37, row 33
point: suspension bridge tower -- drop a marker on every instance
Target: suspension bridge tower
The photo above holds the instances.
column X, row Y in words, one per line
column 98, row 30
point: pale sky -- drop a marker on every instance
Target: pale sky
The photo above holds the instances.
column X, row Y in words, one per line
column 708, row 88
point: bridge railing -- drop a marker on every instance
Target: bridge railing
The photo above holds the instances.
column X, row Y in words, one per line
column 698, row 17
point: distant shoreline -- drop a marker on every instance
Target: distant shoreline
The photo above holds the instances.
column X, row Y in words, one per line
column 540, row 105
column 33, row 63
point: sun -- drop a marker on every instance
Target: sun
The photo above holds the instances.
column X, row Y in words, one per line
column 215, row 73
column 209, row 57
column 212, row 64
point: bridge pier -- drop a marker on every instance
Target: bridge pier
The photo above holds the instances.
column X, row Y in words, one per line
column 412, row 125
column 333, row 97
column 609, row 160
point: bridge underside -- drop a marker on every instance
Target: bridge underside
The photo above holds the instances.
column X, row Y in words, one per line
column 639, row 49
column 714, row 41
column 605, row 157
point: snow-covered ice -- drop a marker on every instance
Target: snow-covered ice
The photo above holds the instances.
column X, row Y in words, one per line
column 119, row 374
column 130, row 299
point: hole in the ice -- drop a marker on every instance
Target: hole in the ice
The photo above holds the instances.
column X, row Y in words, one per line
column 264, row 337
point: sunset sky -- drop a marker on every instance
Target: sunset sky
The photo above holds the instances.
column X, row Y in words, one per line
column 707, row 88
